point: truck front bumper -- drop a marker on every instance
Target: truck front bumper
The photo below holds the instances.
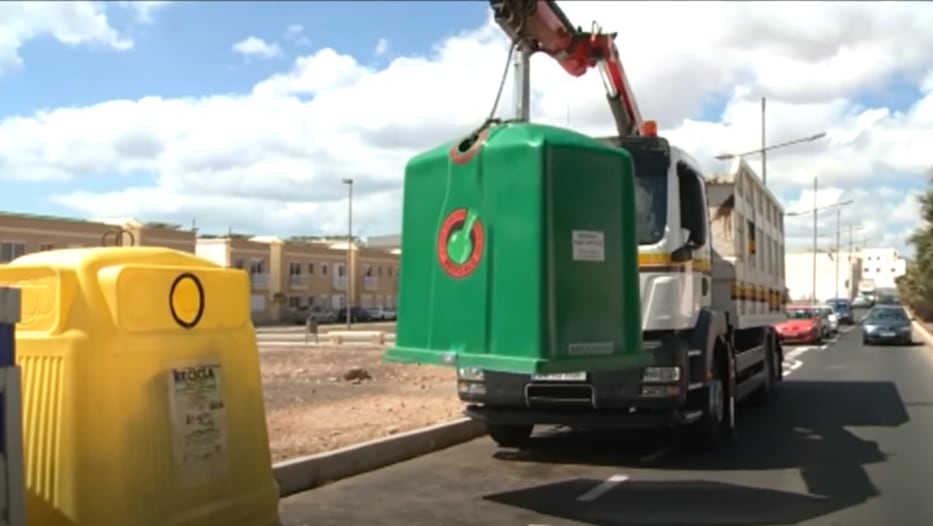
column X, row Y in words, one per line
column 604, row 419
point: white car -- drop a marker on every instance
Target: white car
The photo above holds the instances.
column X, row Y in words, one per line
column 832, row 317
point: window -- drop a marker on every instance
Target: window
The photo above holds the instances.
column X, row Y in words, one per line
column 693, row 211
column 379, row 271
column 311, row 269
column 650, row 206
column 294, row 269
column 340, row 271
column 45, row 247
column 324, row 269
column 389, row 271
column 10, row 250
column 368, row 272
column 257, row 266
column 878, row 270
column 294, row 301
column 238, row 263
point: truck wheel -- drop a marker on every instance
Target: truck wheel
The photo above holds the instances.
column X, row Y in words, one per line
column 509, row 436
column 706, row 432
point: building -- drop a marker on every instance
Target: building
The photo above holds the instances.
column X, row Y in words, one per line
column 25, row 233
column 391, row 243
column 799, row 275
column 284, row 274
column 290, row 274
column 881, row 267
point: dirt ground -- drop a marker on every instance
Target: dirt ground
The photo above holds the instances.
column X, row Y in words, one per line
column 323, row 398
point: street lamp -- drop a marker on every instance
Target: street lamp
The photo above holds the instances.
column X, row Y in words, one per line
column 815, row 211
column 348, row 289
column 764, row 149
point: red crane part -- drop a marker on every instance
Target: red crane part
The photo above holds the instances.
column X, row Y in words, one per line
column 540, row 25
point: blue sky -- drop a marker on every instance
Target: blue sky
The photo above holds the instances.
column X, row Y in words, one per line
column 185, row 52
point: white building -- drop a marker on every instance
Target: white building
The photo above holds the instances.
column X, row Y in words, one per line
column 799, row 275
column 881, row 267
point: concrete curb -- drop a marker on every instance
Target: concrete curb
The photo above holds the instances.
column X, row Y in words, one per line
column 923, row 332
column 305, row 473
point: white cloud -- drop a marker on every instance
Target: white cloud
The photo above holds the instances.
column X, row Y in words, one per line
column 271, row 160
column 144, row 9
column 382, row 47
column 257, row 48
column 295, row 34
column 70, row 23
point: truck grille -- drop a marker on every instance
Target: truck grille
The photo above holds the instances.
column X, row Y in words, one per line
column 559, row 395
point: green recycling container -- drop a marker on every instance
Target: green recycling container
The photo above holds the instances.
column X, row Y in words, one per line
column 519, row 254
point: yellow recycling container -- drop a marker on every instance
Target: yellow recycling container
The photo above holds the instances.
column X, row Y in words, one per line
column 142, row 395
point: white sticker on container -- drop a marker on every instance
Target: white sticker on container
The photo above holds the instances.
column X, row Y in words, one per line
column 199, row 413
column 588, row 245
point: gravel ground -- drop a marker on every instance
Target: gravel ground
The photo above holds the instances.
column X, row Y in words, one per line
column 323, row 398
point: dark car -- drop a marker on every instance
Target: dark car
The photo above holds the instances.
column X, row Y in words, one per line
column 887, row 324
column 843, row 308
column 357, row 314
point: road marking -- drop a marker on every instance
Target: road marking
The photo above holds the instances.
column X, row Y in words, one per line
column 602, row 488
column 656, row 454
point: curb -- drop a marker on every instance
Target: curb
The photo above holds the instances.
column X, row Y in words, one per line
column 923, row 332
column 305, row 473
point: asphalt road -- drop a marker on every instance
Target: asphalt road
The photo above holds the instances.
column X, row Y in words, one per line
column 845, row 442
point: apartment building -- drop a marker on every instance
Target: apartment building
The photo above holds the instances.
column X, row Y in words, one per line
column 310, row 273
column 881, row 267
column 252, row 256
column 836, row 274
column 26, row 233
column 291, row 274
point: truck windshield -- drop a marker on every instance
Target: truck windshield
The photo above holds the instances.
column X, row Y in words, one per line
column 650, row 207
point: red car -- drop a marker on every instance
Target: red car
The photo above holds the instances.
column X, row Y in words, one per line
column 803, row 325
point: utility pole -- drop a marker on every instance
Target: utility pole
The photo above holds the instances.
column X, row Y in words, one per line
column 522, row 94
column 764, row 148
column 348, row 275
column 838, row 233
column 815, row 215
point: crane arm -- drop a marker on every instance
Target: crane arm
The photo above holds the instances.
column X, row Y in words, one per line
column 540, row 25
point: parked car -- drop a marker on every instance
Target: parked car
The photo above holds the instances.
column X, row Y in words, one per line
column 863, row 301
column 843, row 308
column 831, row 317
column 299, row 315
column 804, row 324
column 382, row 313
column 357, row 314
column 887, row 324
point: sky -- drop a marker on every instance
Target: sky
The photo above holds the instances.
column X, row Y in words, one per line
column 247, row 115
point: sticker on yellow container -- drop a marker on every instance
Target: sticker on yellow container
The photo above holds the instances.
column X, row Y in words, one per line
column 198, row 414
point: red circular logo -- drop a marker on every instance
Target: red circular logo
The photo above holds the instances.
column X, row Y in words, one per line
column 460, row 242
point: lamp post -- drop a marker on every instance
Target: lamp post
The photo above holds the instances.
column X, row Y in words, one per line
column 764, row 149
column 348, row 289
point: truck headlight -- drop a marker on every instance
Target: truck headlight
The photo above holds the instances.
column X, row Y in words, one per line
column 470, row 374
column 661, row 374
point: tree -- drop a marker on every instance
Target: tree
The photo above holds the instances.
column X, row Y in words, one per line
column 915, row 287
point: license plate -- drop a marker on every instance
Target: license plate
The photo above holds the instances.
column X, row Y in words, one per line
column 561, row 377
column 887, row 334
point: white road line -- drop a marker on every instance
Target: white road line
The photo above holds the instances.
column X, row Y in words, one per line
column 602, row 488
column 656, row 454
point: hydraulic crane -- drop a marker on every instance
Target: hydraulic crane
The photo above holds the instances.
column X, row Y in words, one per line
column 541, row 26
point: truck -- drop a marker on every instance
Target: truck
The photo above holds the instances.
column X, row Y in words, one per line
column 709, row 277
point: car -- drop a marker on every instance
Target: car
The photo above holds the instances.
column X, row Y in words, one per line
column 863, row 301
column 843, row 308
column 887, row 299
column 804, row 324
column 357, row 314
column 887, row 324
column 831, row 317
column 381, row 313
